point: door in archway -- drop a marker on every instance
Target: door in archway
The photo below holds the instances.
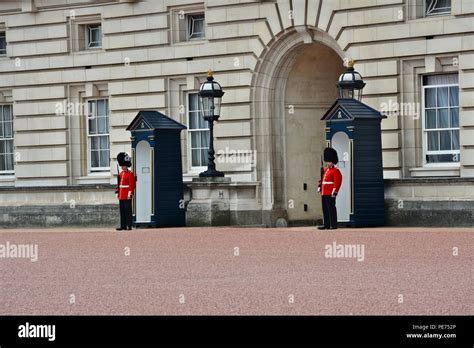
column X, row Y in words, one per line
column 310, row 90
column 144, row 183
column 342, row 144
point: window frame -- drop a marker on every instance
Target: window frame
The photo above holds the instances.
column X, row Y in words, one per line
column 4, row 34
column 192, row 168
column 12, row 139
column 189, row 19
column 96, row 170
column 88, row 32
column 425, row 10
column 425, row 131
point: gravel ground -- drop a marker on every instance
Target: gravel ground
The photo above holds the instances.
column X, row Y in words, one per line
column 276, row 271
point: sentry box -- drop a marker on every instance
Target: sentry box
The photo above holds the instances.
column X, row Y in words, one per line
column 156, row 149
column 353, row 130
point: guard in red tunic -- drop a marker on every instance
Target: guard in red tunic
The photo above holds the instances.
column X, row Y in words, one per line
column 329, row 185
column 124, row 191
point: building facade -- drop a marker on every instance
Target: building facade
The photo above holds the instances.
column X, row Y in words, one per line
column 73, row 74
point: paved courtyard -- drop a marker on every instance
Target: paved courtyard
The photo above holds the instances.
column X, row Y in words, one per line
column 239, row 271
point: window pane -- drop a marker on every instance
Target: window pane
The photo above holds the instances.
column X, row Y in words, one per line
column 95, row 145
column 9, row 161
column 2, row 146
column 193, row 102
column 3, row 43
column 442, row 97
column 205, row 139
column 430, row 97
column 443, row 118
column 7, row 113
column 434, row 7
column 196, row 158
column 454, row 96
column 430, row 119
column 204, row 157
column 434, row 80
column 8, row 147
column 455, row 136
column 8, row 130
column 446, row 158
column 202, row 122
column 445, row 140
column 102, row 125
column 193, row 120
column 92, row 125
column 454, row 118
column 104, row 158
column 104, row 143
column 95, row 159
column 101, row 107
column 195, row 140
column 94, row 35
column 433, row 141
column 2, row 163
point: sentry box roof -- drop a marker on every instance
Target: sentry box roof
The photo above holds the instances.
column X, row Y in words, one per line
column 153, row 120
column 350, row 109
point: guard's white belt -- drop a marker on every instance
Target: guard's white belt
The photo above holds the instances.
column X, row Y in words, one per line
column 328, row 182
column 124, row 186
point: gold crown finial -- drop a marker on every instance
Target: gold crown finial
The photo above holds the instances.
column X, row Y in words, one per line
column 210, row 73
column 350, row 63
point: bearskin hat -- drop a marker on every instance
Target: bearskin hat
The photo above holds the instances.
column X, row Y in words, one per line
column 330, row 155
column 124, row 159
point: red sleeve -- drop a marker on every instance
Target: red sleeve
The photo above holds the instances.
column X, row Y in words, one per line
column 337, row 179
column 132, row 182
column 118, row 183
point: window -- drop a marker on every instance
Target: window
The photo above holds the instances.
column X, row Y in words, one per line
column 198, row 134
column 441, row 118
column 93, row 35
column 98, row 135
column 85, row 32
column 6, row 140
column 3, row 44
column 195, row 23
column 437, row 7
column 188, row 24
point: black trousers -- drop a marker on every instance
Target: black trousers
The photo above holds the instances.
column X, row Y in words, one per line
column 125, row 213
column 329, row 211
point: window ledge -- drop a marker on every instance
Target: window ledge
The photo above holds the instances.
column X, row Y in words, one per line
column 435, row 171
column 7, row 179
column 88, row 51
column 94, row 179
column 191, row 42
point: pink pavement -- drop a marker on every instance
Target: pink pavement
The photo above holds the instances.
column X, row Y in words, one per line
column 234, row 270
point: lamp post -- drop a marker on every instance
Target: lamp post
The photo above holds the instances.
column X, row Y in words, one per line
column 350, row 83
column 210, row 95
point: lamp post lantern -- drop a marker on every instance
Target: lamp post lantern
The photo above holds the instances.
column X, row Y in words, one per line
column 350, row 83
column 210, row 96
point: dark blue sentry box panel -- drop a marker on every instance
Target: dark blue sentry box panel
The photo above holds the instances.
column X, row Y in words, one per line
column 361, row 123
column 163, row 136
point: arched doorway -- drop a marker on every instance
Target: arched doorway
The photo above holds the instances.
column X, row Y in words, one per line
column 310, row 91
column 294, row 85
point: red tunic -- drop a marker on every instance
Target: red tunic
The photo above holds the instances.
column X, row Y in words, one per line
column 127, row 185
column 332, row 181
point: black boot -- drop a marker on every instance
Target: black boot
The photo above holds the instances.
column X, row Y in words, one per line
column 323, row 228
